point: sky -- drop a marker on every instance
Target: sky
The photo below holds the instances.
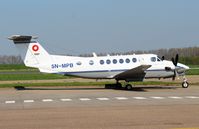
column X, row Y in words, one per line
column 102, row 26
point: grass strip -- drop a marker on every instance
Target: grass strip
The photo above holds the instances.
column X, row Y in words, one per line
column 192, row 72
column 32, row 76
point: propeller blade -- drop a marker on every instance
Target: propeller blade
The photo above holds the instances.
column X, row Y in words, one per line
column 176, row 59
column 174, row 75
column 173, row 78
column 162, row 57
column 175, row 62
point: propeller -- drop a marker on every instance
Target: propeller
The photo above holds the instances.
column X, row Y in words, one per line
column 162, row 57
column 175, row 62
column 175, row 75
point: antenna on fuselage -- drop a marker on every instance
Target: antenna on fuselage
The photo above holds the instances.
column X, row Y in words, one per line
column 94, row 54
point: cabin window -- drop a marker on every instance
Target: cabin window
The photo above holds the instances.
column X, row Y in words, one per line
column 79, row 63
column 153, row 59
column 114, row 61
column 121, row 61
column 91, row 62
column 108, row 61
column 134, row 60
column 127, row 60
column 101, row 62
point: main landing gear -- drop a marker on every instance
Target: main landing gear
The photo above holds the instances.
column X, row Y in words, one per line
column 185, row 84
column 118, row 85
column 128, row 87
column 113, row 86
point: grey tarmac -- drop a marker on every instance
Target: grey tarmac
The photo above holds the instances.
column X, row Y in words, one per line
column 148, row 107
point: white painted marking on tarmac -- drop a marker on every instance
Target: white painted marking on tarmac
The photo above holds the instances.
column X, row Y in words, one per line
column 47, row 100
column 157, row 97
column 103, row 99
column 84, row 99
column 10, row 102
column 175, row 97
column 66, row 100
column 192, row 97
column 139, row 98
column 106, row 99
column 121, row 98
column 28, row 101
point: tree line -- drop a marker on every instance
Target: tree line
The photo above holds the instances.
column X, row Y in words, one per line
column 11, row 60
column 188, row 55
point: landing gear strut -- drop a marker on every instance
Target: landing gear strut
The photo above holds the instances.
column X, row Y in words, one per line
column 185, row 84
column 118, row 85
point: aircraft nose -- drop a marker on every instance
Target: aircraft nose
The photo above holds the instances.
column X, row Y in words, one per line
column 182, row 67
column 186, row 67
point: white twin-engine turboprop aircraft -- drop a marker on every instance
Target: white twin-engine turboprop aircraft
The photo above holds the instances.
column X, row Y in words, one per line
column 120, row 67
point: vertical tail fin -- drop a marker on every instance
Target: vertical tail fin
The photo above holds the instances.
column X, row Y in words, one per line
column 32, row 53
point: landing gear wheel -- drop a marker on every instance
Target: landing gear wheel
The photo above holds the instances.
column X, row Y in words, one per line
column 107, row 86
column 113, row 86
column 129, row 87
column 185, row 84
column 118, row 86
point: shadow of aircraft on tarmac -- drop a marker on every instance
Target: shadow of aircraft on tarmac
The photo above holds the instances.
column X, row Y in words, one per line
column 136, row 88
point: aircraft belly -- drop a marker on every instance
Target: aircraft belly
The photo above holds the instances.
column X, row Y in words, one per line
column 97, row 75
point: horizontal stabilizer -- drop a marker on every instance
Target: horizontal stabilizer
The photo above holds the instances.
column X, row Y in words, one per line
column 21, row 38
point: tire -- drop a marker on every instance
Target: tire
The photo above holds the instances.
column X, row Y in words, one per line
column 107, row 86
column 129, row 87
column 185, row 85
column 118, row 86
column 113, row 86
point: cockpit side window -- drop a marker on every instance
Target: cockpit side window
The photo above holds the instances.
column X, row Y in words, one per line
column 153, row 59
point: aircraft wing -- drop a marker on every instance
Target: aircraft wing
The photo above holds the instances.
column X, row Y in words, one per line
column 135, row 74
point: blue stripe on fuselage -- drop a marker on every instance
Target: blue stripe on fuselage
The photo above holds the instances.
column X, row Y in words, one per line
column 95, row 71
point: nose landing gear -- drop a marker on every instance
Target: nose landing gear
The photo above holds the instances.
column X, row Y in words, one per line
column 185, row 84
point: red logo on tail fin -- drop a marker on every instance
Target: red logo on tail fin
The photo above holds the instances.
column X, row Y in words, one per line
column 35, row 48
